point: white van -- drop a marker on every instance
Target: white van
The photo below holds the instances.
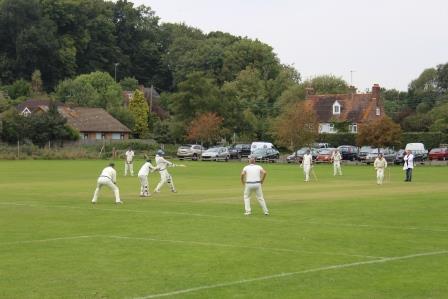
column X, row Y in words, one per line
column 260, row 144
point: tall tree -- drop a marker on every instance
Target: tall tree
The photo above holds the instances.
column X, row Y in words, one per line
column 327, row 84
column 139, row 108
column 379, row 133
column 296, row 127
column 205, row 128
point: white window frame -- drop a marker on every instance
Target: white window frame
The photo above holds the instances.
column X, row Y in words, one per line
column 331, row 126
column 378, row 111
column 338, row 106
column 354, row 128
column 85, row 136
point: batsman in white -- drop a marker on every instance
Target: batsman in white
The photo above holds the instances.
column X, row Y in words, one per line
column 143, row 177
column 162, row 165
column 307, row 162
column 108, row 177
column 252, row 177
column 129, row 162
column 380, row 164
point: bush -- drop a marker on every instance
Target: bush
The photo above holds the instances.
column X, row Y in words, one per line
column 337, row 139
column 429, row 139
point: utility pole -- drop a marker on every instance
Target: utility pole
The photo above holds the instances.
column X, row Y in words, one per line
column 116, row 64
column 351, row 77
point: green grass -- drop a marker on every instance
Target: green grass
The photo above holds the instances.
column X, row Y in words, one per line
column 339, row 237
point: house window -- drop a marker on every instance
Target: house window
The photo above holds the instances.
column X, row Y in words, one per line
column 85, row 136
column 99, row 136
column 26, row 112
column 122, row 136
column 336, row 108
column 378, row 111
column 116, row 136
column 331, row 128
column 354, row 128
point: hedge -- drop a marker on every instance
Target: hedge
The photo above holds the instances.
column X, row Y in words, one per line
column 429, row 139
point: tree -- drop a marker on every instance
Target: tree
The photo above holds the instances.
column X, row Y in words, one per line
column 379, row 133
column 139, row 108
column 442, row 77
column 327, row 84
column 296, row 126
column 36, row 82
column 129, row 83
column 206, row 127
column 19, row 89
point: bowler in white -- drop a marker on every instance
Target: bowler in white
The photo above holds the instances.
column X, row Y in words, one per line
column 108, row 177
column 252, row 177
column 143, row 178
column 129, row 162
column 380, row 165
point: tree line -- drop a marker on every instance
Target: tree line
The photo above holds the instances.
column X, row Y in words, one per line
column 86, row 52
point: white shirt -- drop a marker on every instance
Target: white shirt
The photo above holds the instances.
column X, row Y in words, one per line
column 253, row 173
column 161, row 163
column 307, row 159
column 110, row 173
column 144, row 170
column 408, row 161
column 129, row 156
column 380, row 163
column 336, row 157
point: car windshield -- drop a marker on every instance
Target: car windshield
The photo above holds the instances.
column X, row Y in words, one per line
column 259, row 151
column 375, row 151
column 326, row 152
column 365, row 149
column 213, row 150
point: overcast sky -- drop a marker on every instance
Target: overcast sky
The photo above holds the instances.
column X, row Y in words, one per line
column 389, row 42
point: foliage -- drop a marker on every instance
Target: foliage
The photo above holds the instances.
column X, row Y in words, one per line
column 327, row 84
column 337, row 139
column 20, row 88
column 97, row 89
column 296, row 127
column 129, row 83
column 429, row 139
column 36, row 82
column 379, row 133
column 138, row 106
column 123, row 115
column 205, row 128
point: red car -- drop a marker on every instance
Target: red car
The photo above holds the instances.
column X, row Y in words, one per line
column 324, row 155
column 439, row 153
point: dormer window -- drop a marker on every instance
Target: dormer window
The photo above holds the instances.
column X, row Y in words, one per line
column 336, row 108
column 378, row 111
column 26, row 112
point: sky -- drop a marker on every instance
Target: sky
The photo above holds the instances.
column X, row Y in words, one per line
column 389, row 42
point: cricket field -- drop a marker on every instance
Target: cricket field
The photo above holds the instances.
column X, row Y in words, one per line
column 337, row 237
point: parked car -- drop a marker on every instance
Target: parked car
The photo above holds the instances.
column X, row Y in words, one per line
column 190, row 151
column 418, row 150
column 324, row 155
column 237, row 151
column 298, row 155
column 388, row 154
column 260, row 144
column 321, row 145
column 266, row 154
column 349, row 152
column 439, row 153
column 216, row 154
column 399, row 157
column 363, row 152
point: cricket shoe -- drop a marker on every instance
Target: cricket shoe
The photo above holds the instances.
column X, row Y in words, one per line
column 247, row 213
column 174, row 191
column 118, row 202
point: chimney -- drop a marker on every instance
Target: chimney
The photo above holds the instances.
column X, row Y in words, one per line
column 309, row 91
column 376, row 92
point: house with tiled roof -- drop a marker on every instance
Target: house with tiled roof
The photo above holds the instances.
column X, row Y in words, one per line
column 91, row 123
column 353, row 109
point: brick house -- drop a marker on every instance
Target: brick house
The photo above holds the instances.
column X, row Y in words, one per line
column 91, row 123
column 354, row 109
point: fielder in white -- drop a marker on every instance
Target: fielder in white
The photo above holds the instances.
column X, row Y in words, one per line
column 108, row 177
column 143, row 178
column 380, row 164
column 336, row 158
column 165, row 177
column 129, row 162
column 307, row 163
column 252, row 177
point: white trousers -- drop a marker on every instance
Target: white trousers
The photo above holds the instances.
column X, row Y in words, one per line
column 144, row 185
column 165, row 177
column 128, row 167
column 103, row 181
column 248, row 189
column 379, row 175
column 337, row 168
column 306, row 171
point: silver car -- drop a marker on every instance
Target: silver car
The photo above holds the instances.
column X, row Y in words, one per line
column 190, row 151
column 216, row 154
column 388, row 154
